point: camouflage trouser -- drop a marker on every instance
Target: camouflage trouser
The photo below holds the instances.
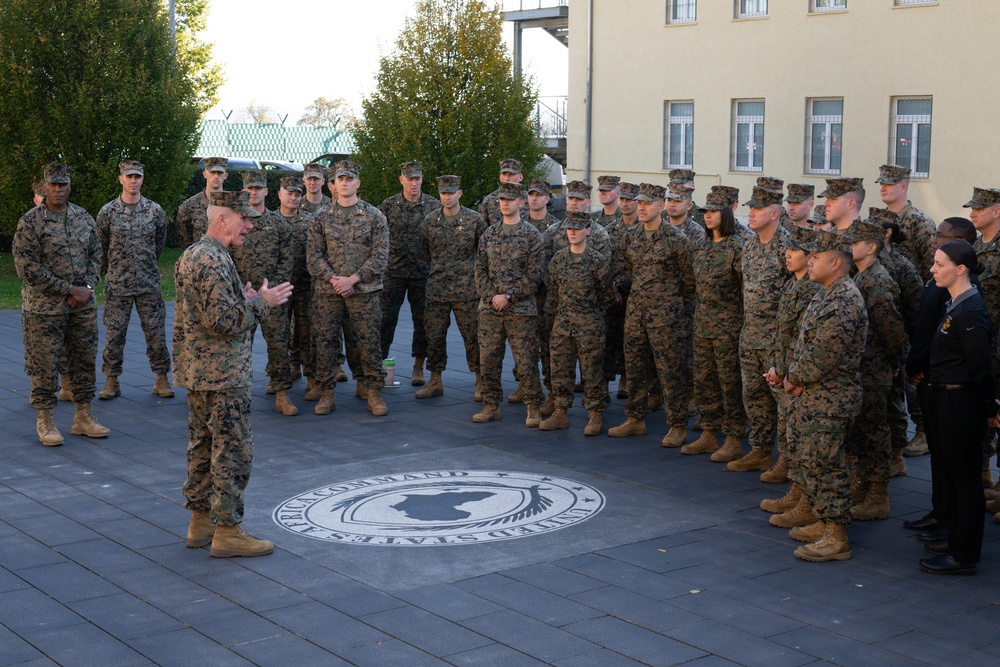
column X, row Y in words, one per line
column 896, row 412
column 437, row 318
column 583, row 340
column 521, row 331
column 300, row 352
column 359, row 315
column 614, row 347
column 687, row 343
column 152, row 316
column 46, row 338
column 654, row 350
column 545, row 321
column 868, row 440
column 758, row 398
column 219, row 453
column 276, row 329
column 394, row 289
column 718, row 387
column 817, row 464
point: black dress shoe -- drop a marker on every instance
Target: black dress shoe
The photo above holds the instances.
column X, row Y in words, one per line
column 946, row 565
column 926, row 522
column 934, row 535
column 938, row 547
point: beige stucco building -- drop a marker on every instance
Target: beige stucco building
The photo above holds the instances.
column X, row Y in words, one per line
column 798, row 89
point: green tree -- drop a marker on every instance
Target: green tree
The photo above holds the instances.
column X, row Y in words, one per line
column 324, row 112
column 89, row 84
column 447, row 95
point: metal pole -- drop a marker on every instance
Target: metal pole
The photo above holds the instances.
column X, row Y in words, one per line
column 590, row 91
column 517, row 49
column 173, row 25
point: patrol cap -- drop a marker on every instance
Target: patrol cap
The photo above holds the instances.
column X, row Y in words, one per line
column 292, row 184
column 347, row 168
column 864, row 231
column 411, row 170
column 798, row 192
column 576, row 220
column 678, row 191
column 837, row 187
column 681, row 175
column 818, row 215
column 541, row 186
column 578, row 189
column 38, row 187
column 983, row 198
column 216, row 164
column 828, row 241
column 608, row 182
column 771, row 183
column 254, row 178
column 763, row 197
column 449, row 183
column 879, row 216
column 56, row 172
column 510, row 166
column 650, row 192
column 313, row 170
column 891, row 174
column 510, row 191
column 716, row 200
column 234, row 201
column 800, row 237
column 627, row 190
column 131, row 167
column 732, row 192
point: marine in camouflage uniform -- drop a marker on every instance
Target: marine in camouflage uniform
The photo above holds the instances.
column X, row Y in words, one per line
column 915, row 224
column 406, row 275
column 489, row 207
column 614, row 355
column 191, row 218
column 800, row 200
column 450, row 239
column 133, row 231
column 266, row 254
column 348, row 243
column 658, row 258
column 214, row 321
column 313, row 198
column 508, row 271
column 300, row 350
column 685, row 177
column 777, row 186
column 57, row 255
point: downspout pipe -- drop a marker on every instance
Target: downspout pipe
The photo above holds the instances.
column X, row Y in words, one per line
column 590, row 91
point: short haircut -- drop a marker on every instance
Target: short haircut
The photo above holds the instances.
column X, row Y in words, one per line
column 963, row 227
column 858, row 196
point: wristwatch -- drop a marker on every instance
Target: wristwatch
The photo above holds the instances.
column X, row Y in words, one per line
column 507, row 296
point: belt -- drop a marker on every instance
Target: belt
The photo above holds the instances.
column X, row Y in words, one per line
column 947, row 387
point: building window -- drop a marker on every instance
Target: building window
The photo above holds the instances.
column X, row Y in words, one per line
column 827, row 5
column 904, row 3
column 911, row 140
column 748, row 135
column 682, row 11
column 749, row 9
column 679, row 135
column 824, row 129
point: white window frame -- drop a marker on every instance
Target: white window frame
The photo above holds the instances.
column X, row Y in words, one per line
column 913, row 135
column 752, row 123
column 911, row 3
column 820, row 6
column 687, row 142
column 680, row 12
column 828, row 121
column 751, row 9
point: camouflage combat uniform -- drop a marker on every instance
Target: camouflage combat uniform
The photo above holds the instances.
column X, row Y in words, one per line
column 51, row 255
column 451, row 246
column 406, row 275
column 696, row 236
column 192, row 219
column 509, row 262
column 342, row 242
column 614, row 355
column 988, row 255
column 903, row 394
column 825, row 362
column 300, row 348
column 580, row 290
column 919, row 230
column 267, row 254
column 213, row 330
column 132, row 240
column 718, row 318
column 310, row 208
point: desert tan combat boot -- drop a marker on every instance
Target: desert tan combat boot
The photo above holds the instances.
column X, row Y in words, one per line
column 232, row 541
column 376, row 405
column 548, row 407
column 85, row 424
column 918, row 443
column 897, row 464
column 707, row 443
column 757, row 459
column 859, row 489
column 674, row 437
column 489, row 413
column 478, row 395
column 809, row 533
column 595, row 422
column 875, row 505
column 731, row 450
column 631, row 426
column 532, row 418
column 200, row 530
column 284, row 405
column 313, row 391
column 622, row 388
column 65, row 390
column 339, row 375
column 517, row 396
column 559, row 419
column 162, row 386
column 777, row 473
column 327, row 402
column 417, row 377
column 833, row 545
column 434, row 388
column 111, row 389
column 360, row 391
column 800, row 515
column 654, row 402
column 269, row 389
column 784, row 503
column 48, row 434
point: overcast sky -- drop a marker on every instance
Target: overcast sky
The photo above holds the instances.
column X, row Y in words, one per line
column 284, row 55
